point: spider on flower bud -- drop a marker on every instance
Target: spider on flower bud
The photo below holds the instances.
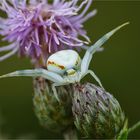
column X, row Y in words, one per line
column 65, row 66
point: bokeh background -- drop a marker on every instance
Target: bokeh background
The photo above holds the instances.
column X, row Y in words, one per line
column 118, row 67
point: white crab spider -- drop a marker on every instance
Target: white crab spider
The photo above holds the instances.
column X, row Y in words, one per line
column 65, row 67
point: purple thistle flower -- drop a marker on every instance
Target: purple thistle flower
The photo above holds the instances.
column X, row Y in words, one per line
column 36, row 28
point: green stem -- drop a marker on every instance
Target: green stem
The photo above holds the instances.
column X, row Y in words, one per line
column 134, row 127
column 70, row 134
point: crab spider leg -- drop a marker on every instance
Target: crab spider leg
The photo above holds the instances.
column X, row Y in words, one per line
column 54, row 85
column 95, row 77
column 54, row 91
column 90, row 51
column 35, row 73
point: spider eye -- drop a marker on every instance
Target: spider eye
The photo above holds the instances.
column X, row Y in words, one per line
column 64, row 60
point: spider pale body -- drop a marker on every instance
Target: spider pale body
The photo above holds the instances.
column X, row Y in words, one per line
column 68, row 59
column 64, row 62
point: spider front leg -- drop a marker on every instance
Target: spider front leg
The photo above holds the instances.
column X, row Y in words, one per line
column 91, row 50
column 54, row 77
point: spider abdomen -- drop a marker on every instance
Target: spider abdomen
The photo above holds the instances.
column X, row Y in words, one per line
column 62, row 61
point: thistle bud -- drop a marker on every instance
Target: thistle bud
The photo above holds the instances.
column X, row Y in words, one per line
column 97, row 114
column 53, row 115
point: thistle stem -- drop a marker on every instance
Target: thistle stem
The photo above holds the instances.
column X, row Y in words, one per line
column 70, row 134
column 135, row 126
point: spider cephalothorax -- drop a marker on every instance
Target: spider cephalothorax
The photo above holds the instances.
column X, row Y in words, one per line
column 65, row 67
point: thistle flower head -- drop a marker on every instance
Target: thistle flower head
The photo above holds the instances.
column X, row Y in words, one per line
column 97, row 113
column 36, row 28
column 53, row 115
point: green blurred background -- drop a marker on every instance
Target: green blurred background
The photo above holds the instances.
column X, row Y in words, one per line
column 118, row 67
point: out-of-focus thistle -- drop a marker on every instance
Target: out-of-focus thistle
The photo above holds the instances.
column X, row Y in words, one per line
column 53, row 115
column 97, row 114
column 37, row 28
